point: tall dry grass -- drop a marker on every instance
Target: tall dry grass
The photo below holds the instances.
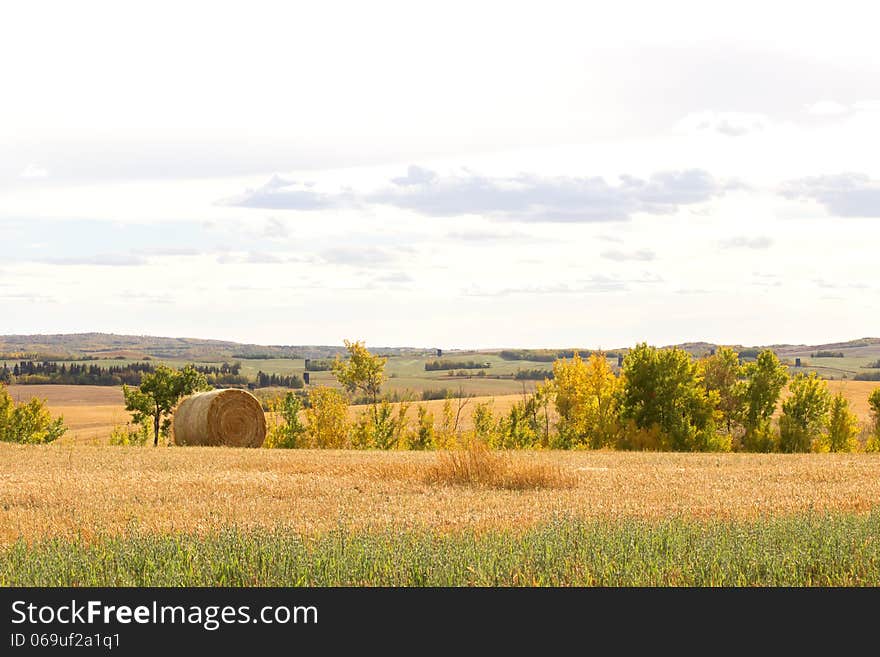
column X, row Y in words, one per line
column 476, row 465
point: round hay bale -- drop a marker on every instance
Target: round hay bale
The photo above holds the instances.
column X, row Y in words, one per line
column 233, row 418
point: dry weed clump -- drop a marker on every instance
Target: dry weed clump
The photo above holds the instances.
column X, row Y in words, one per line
column 476, row 465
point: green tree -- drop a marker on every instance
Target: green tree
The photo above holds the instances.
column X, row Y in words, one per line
column 804, row 413
column 663, row 388
column 159, row 393
column 521, row 427
column 759, row 394
column 422, row 436
column 287, row 431
column 27, row 422
column 843, row 426
column 363, row 372
column 385, row 430
column 874, row 440
column 485, row 425
column 721, row 373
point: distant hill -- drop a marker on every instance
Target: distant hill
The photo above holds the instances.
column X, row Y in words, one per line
column 109, row 345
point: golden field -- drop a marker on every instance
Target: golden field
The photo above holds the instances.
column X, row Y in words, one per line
column 86, row 490
column 91, row 412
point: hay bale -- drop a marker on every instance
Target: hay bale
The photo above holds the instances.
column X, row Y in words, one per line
column 233, row 418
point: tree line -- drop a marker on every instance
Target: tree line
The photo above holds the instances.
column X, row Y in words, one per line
column 131, row 374
column 435, row 365
column 662, row 399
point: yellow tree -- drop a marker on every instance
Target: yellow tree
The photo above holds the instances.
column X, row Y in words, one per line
column 363, row 372
column 585, row 395
column 571, row 399
column 843, row 426
column 602, row 386
column 327, row 418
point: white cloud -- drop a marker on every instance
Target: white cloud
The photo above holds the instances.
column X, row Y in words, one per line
column 826, row 108
column 33, row 172
column 280, row 194
column 729, row 124
column 642, row 255
column 744, row 242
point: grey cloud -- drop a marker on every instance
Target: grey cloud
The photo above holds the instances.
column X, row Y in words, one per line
column 729, row 124
column 25, row 296
column 743, row 242
column 281, row 194
column 642, row 255
column 167, row 251
column 104, row 260
column 842, row 195
column 415, row 175
column 592, row 285
column 525, row 197
column 395, row 277
column 356, row 256
column 145, row 297
column 485, row 236
column 253, row 258
column 275, row 228
column 258, row 258
column 833, row 285
column 533, row 198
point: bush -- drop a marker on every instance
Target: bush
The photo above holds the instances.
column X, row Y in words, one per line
column 327, row 419
column 27, row 422
column 132, row 434
column 843, row 427
column 287, row 430
column 761, row 438
column 422, row 437
column 381, row 428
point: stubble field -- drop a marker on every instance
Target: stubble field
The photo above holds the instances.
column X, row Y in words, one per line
column 81, row 515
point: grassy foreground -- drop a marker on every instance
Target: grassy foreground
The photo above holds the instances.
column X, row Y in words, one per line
column 802, row 550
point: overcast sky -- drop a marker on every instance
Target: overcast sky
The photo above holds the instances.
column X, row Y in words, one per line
column 441, row 174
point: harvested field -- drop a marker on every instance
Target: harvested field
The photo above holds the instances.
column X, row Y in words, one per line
column 88, row 491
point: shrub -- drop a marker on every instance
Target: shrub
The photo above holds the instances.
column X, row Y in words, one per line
column 873, row 442
column 27, row 422
column 761, row 438
column 422, row 436
column 327, row 419
column 132, row 433
column 381, row 428
column 485, row 425
column 843, row 427
column 287, row 430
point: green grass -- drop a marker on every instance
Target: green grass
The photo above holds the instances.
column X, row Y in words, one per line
column 804, row 550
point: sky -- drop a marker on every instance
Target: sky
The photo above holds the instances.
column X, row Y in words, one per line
column 455, row 175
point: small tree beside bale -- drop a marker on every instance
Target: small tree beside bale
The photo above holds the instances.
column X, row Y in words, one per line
column 159, row 393
column 230, row 418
